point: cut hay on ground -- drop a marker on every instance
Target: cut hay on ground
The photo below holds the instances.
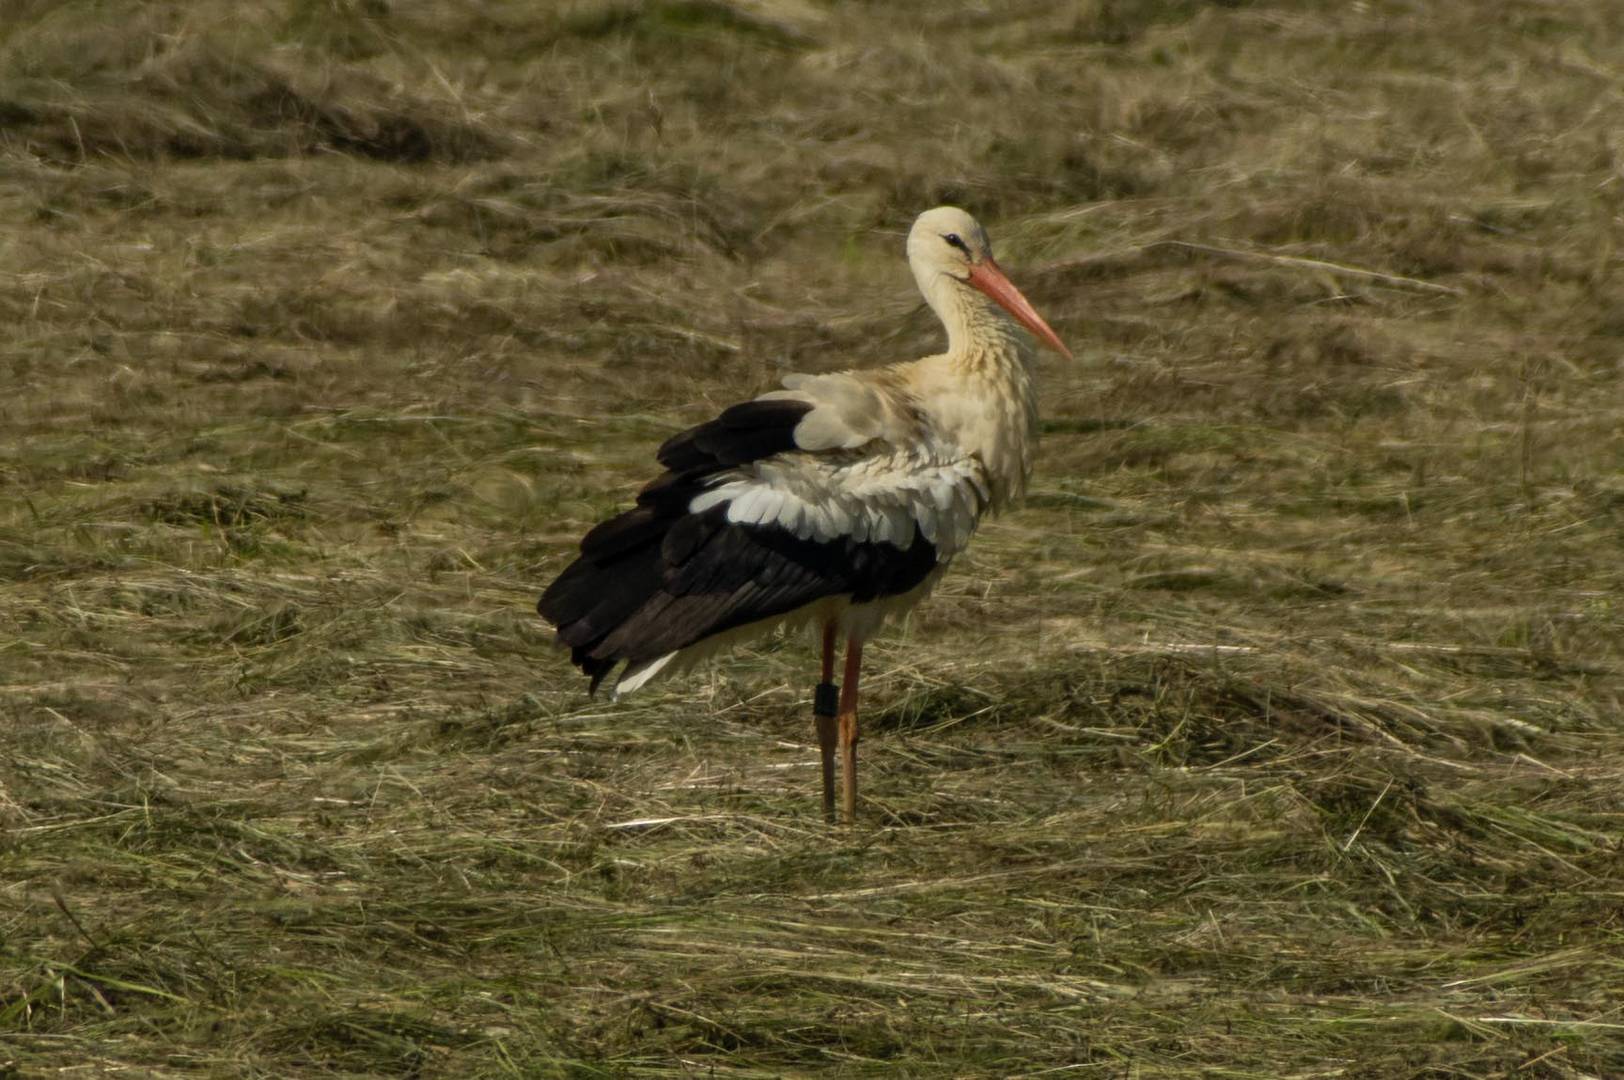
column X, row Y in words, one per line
column 1278, row 736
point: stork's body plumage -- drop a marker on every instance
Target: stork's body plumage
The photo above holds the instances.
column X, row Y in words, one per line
column 837, row 501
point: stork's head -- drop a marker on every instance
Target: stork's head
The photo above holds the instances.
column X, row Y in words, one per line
column 947, row 243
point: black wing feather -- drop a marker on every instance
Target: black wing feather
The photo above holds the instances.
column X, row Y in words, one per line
column 741, row 434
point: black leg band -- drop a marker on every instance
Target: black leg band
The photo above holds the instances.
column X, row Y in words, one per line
column 826, row 699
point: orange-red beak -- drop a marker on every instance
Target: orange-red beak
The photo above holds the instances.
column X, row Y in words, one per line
column 987, row 277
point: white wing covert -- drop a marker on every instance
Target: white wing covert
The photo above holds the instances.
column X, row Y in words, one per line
column 865, row 497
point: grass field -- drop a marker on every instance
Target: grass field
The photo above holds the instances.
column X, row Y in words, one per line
column 1279, row 735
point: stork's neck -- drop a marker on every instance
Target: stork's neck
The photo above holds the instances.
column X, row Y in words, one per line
column 979, row 332
column 996, row 414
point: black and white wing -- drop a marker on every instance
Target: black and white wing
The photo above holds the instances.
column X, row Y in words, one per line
column 832, row 489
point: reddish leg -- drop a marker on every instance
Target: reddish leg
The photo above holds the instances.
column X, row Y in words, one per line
column 848, row 730
column 823, row 710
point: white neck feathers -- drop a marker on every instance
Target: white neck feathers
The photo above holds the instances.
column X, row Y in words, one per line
column 986, row 398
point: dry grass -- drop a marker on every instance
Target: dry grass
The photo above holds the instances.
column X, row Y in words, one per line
column 1278, row 736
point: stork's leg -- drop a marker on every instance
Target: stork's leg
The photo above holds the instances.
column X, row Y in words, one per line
column 848, row 730
column 824, row 706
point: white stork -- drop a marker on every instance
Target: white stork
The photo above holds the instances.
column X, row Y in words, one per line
column 837, row 501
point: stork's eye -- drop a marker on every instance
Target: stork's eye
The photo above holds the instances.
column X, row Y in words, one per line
column 955, row 240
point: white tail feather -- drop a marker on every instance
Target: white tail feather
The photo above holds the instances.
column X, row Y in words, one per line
column 635, row 677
